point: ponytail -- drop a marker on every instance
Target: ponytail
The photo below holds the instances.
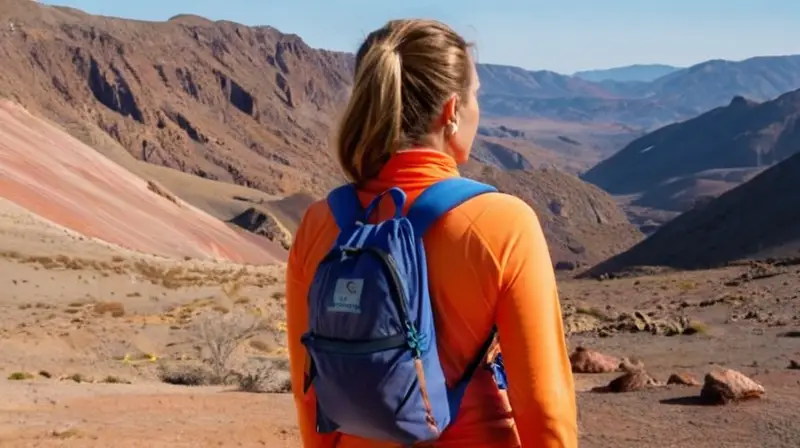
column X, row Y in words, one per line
column 405, row 71
column 372, row 125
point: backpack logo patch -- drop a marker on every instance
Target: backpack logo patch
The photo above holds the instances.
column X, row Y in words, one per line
column 347, row 296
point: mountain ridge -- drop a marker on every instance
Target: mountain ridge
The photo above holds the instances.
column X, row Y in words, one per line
column 755, row 220
column 741, row 138
column 233, row 105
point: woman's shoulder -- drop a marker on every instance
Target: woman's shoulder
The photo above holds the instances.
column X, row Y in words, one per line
column 317, row 216
column 499, row 211
column 501, row 221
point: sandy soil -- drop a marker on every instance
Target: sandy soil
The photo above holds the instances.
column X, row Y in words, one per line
column 52, row 279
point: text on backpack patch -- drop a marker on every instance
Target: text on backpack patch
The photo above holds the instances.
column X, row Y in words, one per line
column 347, row 295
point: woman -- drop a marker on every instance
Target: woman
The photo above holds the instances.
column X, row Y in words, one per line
column 411, row 120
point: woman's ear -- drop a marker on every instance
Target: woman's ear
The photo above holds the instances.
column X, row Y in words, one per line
column 449, row 112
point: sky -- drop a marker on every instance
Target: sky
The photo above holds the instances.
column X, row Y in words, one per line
column 559, row 35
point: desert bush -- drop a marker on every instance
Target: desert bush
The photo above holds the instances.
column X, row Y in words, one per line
column 20, row 376
column 592, row 311
column 221, row 334
column 266, row 376
column 116, row 309
column 78, row 378
column 185, row 374
column 110, row 379
column 696, row 327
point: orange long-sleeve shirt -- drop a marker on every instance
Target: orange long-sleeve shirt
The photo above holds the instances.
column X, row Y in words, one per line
column 488, row 264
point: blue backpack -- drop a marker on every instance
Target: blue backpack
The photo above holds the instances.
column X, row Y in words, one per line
column 373, row 358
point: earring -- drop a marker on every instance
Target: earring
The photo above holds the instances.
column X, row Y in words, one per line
column 452, row 128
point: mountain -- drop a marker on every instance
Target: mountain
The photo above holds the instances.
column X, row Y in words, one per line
column 679, row 95
column 754, row 220
column 219, row 100
column 673, row 167
column 713, row 83
column 582, row 223
column 636, row 72
column 504, row 80
column 233, row 120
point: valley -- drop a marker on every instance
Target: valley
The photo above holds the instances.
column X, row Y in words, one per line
column 152, row 175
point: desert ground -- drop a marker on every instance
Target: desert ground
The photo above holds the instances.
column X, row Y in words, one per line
column 90, row 329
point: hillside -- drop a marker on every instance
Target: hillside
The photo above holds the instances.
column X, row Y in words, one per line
column 679, row 95
column 223, row 106
column 673, row 167
column 713, row 83
column 80, row 189
column 219, row 100
column 756, row 219
column 636, row 72
column 509, row 80
column 582, row 223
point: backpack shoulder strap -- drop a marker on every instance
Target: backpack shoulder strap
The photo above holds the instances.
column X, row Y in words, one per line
column 442, row 197
column 434, row 202
column 345, row 205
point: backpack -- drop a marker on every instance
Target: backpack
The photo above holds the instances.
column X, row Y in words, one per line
column 371, row 340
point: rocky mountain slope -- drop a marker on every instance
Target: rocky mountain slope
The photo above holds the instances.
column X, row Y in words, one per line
column 220, row 100
column 757, row 219
column 677, row 165
column 230, row 104
column 582, row 223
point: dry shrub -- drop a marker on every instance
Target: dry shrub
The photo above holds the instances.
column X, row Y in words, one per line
column 116, row 309
column 77, row 377
column 269, row 376
column 20, row 376
column 69, row 433
column 185, row 374
column 114, row 380
column 696, row 327
column 592, row 311
column 221, row 334
column 159, row 189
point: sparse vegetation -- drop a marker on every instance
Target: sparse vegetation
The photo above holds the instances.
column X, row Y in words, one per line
column 111, row 379
column 115, row 309
column 221, row 334
column 696, row 327
column 20, row 376
column 266, row 376
column 592, row 311
column 687, row 285
column 162, row 273
column 78, row 378
column 69, row 433
column 159, row 189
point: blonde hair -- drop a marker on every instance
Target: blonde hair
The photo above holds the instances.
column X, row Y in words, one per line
column 405, row 73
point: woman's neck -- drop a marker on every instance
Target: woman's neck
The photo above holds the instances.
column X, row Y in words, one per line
column 414, row 168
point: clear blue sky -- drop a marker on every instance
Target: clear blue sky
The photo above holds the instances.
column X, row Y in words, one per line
column 559, row 35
